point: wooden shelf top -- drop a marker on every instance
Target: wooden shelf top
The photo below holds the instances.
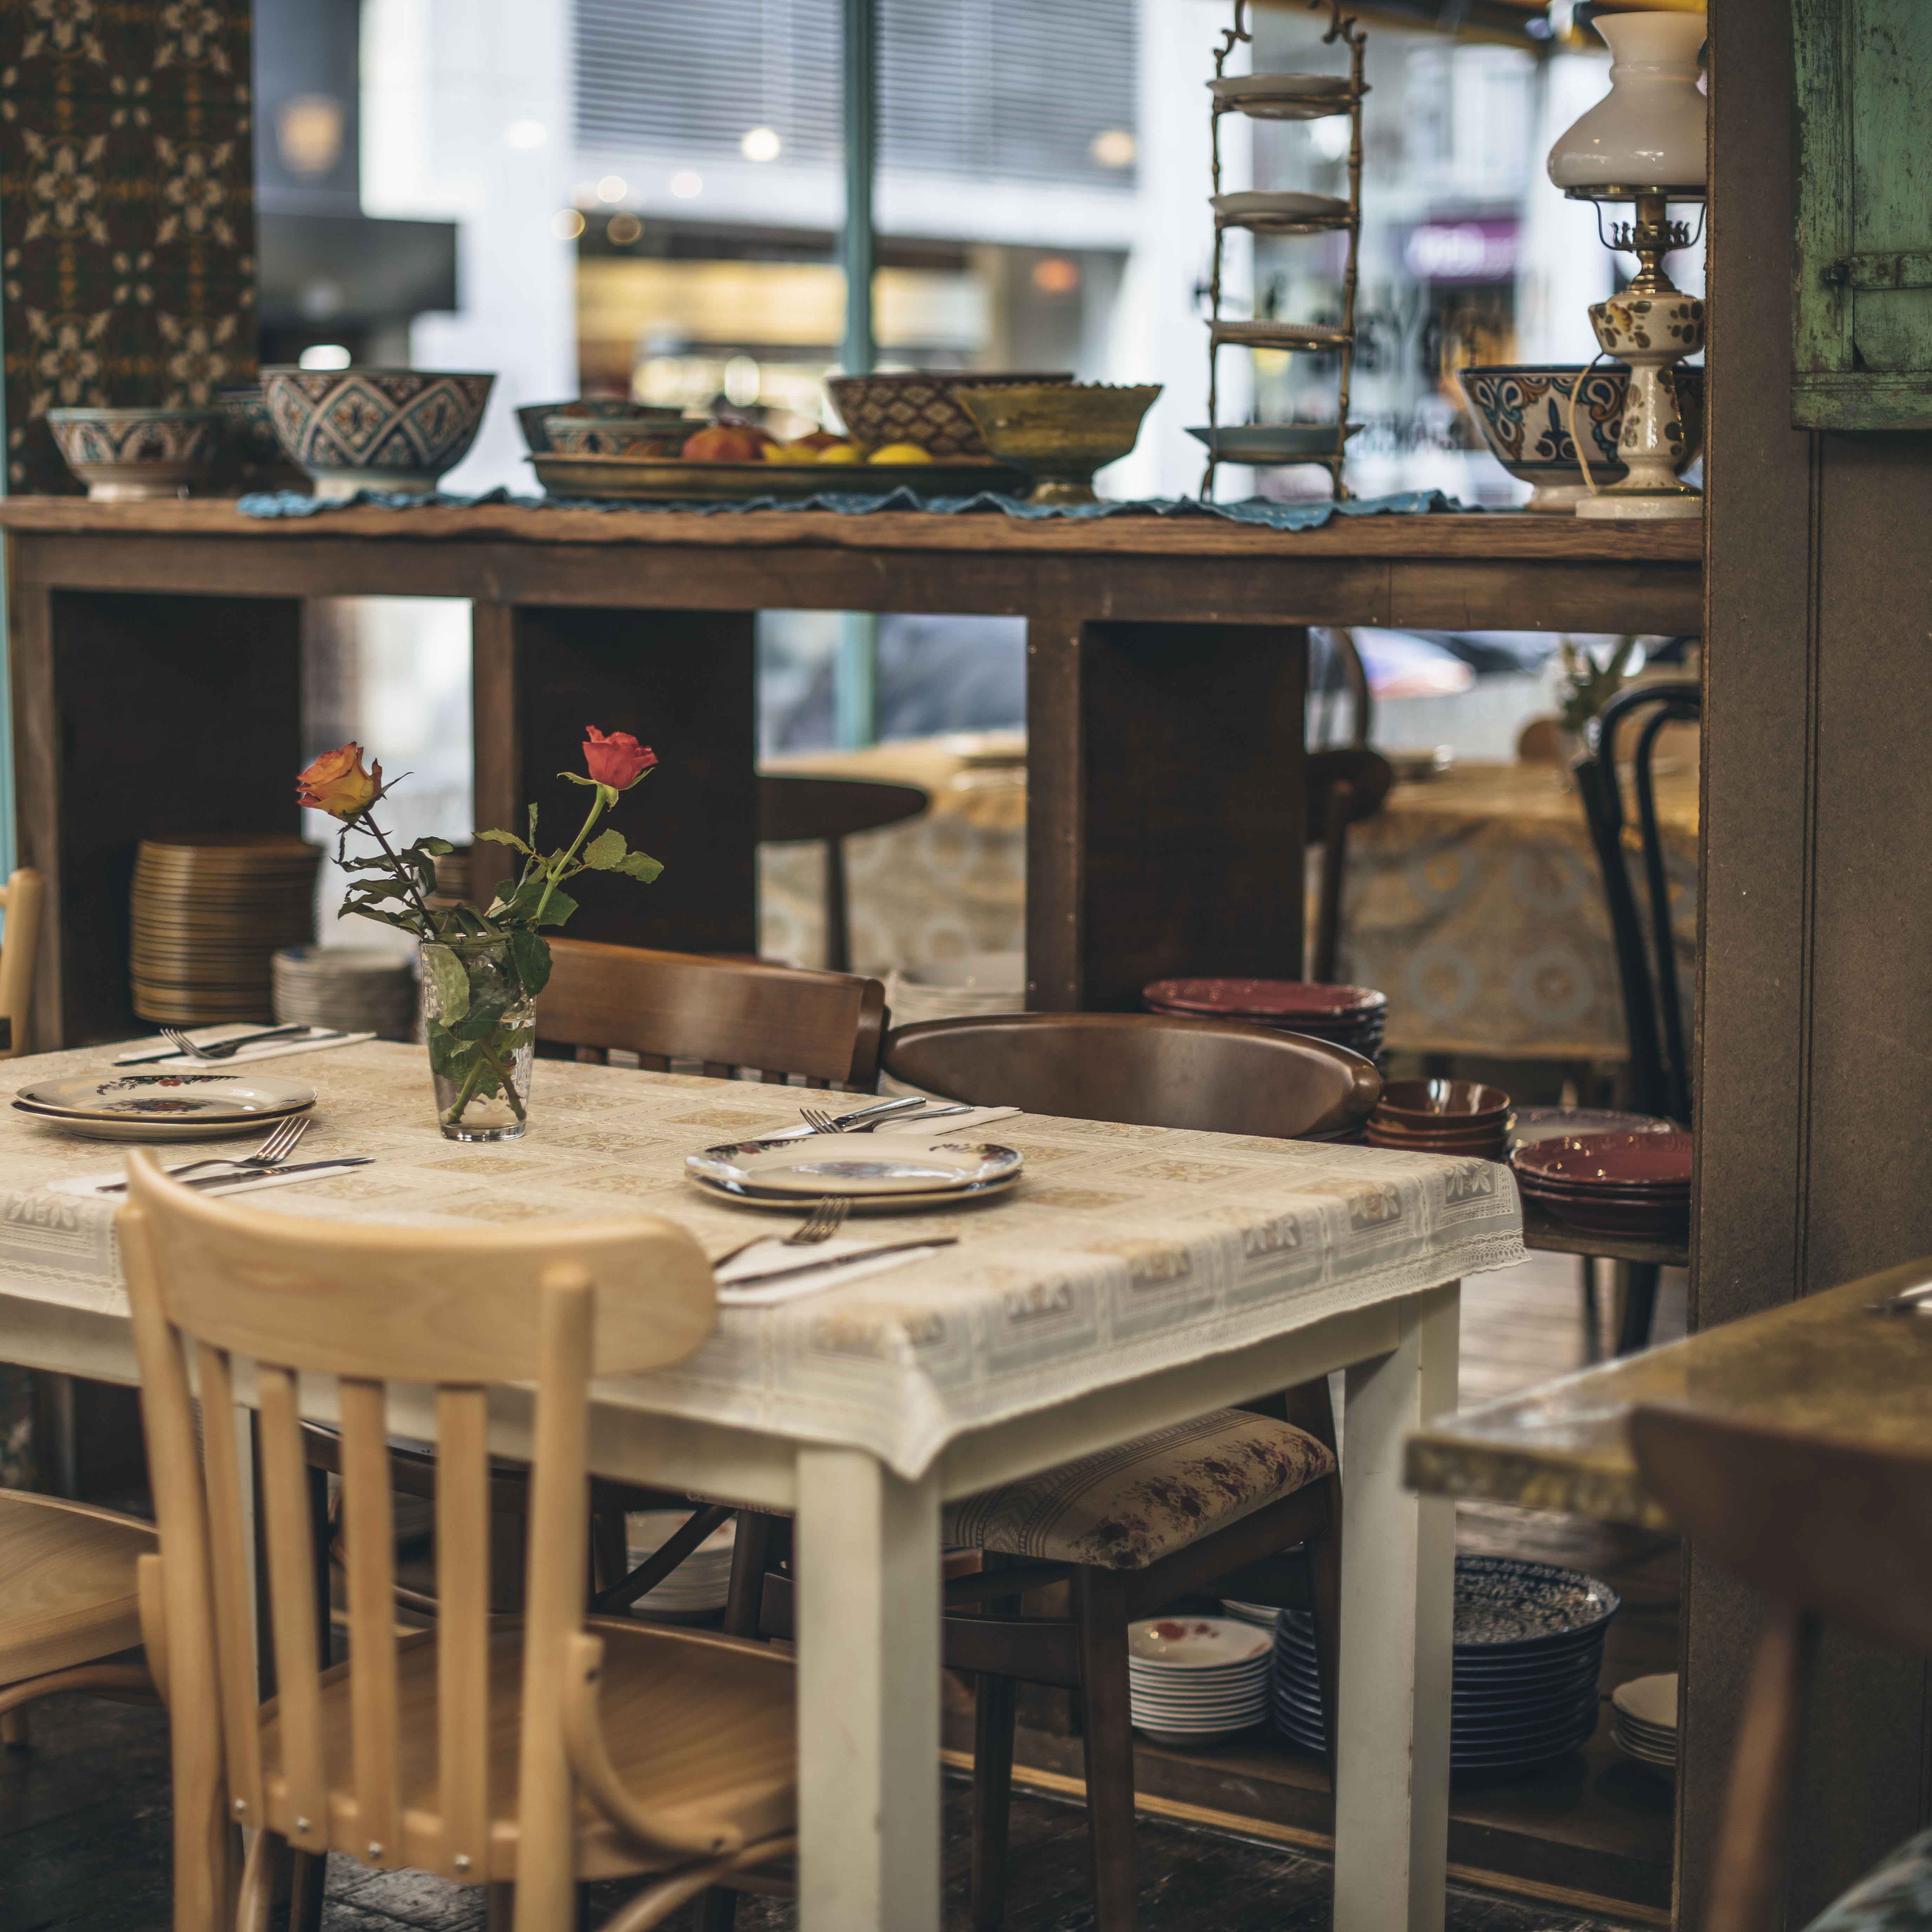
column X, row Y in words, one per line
column 1471, row 536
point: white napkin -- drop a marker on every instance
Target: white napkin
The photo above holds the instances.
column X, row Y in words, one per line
column 269, row 1049
column 93, row 1186
column 837, row 1268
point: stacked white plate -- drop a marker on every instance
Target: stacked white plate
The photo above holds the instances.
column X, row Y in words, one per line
column 1643, row 1720
column 1192, row 1679
column 975, row 982
column 701, row 1583
column 179, row 1105
column 1264, row 1616
column 351, row 989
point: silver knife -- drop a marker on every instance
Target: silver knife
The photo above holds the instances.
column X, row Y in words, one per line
column 832, row 1261
column 270, row 1173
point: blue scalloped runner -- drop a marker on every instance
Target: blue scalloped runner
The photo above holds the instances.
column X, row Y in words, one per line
column 1260, row 510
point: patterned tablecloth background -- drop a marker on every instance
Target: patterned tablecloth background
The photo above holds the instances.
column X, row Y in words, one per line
column 1473, row 900
column 1123, row 1249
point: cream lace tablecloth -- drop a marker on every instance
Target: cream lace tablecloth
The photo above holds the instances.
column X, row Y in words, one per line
column 1124, row 1249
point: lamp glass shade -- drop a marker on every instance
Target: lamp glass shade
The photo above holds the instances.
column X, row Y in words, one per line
column 1647, row 132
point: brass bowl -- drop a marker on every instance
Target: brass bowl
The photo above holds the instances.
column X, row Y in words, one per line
column 1060, row 433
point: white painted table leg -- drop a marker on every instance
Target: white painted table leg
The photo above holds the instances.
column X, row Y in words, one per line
column 867, row 1697
column 1398, row 1611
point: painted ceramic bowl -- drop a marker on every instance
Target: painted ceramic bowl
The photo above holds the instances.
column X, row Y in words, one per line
column 919, row 406
column 253, row 458
column 1060, row 433
column 532, row 418
column 125, row 455
column 375, row 429
column 661, row 435
column 1522, row 410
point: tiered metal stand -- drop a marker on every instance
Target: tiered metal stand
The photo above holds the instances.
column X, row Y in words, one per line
column 1278, row 97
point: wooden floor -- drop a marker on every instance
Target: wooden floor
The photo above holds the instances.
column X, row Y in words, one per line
column 84, row 1814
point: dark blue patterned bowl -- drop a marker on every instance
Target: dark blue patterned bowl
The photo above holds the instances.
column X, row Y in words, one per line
column 1522, row 409
column 375, row 429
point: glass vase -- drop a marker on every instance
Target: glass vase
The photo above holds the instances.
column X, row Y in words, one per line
column 480, row 1025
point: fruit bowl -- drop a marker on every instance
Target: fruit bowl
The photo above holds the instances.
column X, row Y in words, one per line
column 375, row 429
column 1060, row 432
column 128, row 455
column 1522, row 409
column 920, row 406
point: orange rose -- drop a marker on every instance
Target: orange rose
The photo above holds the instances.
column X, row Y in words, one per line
column 337, row 784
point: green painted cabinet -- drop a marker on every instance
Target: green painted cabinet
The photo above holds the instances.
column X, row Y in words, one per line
column 1862, row 317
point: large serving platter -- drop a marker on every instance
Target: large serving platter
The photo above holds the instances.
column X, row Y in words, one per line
column 673, row 480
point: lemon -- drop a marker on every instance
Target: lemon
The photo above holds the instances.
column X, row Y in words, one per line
column 840, row 452
column 901, row 452
column 790, row 452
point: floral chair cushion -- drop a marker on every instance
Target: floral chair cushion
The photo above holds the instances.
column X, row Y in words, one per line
column 1128, row 1507
column 1895, row 1897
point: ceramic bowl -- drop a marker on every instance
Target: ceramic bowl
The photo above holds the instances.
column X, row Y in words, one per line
column 658, row 437
column 253, row 458
column 1522, row 409
column 1060, row 432
column 1434, row 1105
column 126, row 455
column 375, row 429
column 919, row 406
column 532, row 418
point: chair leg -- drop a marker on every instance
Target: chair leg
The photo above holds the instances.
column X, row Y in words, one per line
column 994, row 1712
column 499, row 1907
column 1324, row 1596
column 1640, row 1308
column 1593, row 1319
column 610, row 1549
column 1100, row 1605
column 306, row 1888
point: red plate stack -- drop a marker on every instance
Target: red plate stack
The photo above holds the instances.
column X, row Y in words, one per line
column 1637, row 1185
column 1448, row 1116
column 1351, row 1016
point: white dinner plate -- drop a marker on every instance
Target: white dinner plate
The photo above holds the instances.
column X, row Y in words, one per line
column 171, row 1106
column 1651, row 1702
column 1196, row 1643
column 858, row 1166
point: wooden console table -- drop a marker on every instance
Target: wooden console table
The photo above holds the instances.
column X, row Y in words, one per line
column 155, row 653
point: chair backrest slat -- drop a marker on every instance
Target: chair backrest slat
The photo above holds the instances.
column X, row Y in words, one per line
column 369, row 1547
column 229, row 1566
column 20, row 942
column 463, row 1651
column 288, row 1533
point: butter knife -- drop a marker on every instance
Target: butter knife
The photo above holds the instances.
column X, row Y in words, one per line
column 835, row 1261
column 272, row 1173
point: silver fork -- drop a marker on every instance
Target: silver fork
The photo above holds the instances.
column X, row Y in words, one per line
column 824, row 1221
column 222, row 1049
column 281, row 1142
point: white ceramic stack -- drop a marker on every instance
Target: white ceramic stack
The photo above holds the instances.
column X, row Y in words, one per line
column 701, row 1584
column 347, row 988
column 975, row 982
column 1192, row 1679
column 1263, row 1616
column 1643, row 1721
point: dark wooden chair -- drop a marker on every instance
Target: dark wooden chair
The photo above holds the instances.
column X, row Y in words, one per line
column 1344, row 787
column 1645, row 940
column 829, row 812
column 1827, row 1530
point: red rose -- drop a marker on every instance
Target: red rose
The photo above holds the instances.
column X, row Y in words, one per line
column 617, row 760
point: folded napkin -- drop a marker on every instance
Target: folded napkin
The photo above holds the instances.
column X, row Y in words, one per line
column 94, row 1186
column 836, row 1267
column 269, row 1049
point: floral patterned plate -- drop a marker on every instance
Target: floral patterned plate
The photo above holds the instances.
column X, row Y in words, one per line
column 175, row 1106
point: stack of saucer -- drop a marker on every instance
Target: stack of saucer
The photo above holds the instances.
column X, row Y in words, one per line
column 208, row 913
column 1634, row 1185
column 1453, row 1117
column 350, row 988
column 1643, row 1720
column 1351, row 1016
column 701, row 1584
column 1191, row 1679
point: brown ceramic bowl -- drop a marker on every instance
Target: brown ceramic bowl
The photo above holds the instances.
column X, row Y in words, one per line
column 1392, row 1134
column 1431, row 1103
column 918, row 406
column 1277, row 1002
column 1595, row 1161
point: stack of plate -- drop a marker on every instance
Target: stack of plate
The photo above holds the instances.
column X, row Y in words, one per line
column 1530, row 1124
column 878, row 1173
column 1264, row 1616
column 1634, row 1185
column 350, row 988
column 701, row 1584
column 113, row 1105
column 1451, row 1117
column 976, row 982
column 208, row 914
column 1643, row 1720
column 1351, row 1016
column 1190, row 1679
column 1529, row 1645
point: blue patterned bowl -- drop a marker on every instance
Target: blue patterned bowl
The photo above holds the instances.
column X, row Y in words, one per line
column 375, row 429
column 126, row 455
column 532, row 417
column 1522, row 409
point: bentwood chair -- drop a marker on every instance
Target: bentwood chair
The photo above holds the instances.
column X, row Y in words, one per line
column 1161, row 1517
column 828, row 811
column 527, row 1755
column 1826, row 1530
column 1653, row 1005
column 19, row 940
column 1343, row 787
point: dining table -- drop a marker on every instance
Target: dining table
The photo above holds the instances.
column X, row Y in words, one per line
column 1136, row 1277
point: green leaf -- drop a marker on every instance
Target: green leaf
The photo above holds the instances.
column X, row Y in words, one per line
column 436, row 848
column 449, row 1056
column 561, row 906
column 373, row 912
column 448, row 983
column 605, row 851
column 577, row 778
column 498, row 838
column 533, row 826
column 379, row 889
column 531, row 956
column 639, row 866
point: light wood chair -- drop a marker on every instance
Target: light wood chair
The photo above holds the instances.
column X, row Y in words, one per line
column 527, row 1755
column 828, row 811
column 68, row 1615
column 20, row 945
